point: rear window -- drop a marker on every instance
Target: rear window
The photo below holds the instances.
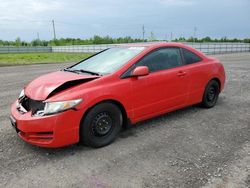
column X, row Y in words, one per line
column 190, row 57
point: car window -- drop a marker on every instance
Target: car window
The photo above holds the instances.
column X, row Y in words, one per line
column 161, row 59
column 109, row 60
column 190, row 57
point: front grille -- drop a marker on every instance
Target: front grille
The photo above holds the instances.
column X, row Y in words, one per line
column 32, row 105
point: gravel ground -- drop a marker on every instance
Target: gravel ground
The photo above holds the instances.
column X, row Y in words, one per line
column 192, row 147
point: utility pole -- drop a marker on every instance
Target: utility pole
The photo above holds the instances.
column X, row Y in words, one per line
column 171, row 36
column 152, row 36
column 195, row 30
column 143, row 32
column 54, row 30
column 38, row 38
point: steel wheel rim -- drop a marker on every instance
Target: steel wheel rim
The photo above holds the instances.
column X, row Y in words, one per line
column 211, row 95
column 102, row 124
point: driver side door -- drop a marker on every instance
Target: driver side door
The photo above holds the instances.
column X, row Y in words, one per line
column 164, row 89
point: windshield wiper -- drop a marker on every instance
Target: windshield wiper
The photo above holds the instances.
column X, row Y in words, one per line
column 82, row 71
column 68, row 70
column 89, row 72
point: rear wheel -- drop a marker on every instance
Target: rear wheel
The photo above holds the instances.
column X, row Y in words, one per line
column 211, row 94
column 101, row 125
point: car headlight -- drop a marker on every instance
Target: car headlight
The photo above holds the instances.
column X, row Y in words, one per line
column 21, row 95
column 55, row 107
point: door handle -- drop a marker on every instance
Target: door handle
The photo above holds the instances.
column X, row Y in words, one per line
column 181, row 73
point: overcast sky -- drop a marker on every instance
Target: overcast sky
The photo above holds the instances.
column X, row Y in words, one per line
column 85, row 18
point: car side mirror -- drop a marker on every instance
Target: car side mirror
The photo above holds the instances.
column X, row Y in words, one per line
column 140, row 71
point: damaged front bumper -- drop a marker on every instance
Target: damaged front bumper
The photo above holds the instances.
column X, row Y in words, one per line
column 47, row 131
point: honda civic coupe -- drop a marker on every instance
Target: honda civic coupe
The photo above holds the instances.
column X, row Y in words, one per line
column 91, row 101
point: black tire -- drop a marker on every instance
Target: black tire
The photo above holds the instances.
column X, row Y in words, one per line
column 211, row 94
column 101, row 125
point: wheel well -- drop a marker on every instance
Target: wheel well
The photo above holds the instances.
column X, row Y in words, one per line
column 218, row 81
column 125, row 122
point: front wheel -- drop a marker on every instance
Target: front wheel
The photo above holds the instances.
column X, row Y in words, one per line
column 101, row 125
column 211, row 94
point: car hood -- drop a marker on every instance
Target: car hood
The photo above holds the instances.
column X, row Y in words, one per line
column 47, row 85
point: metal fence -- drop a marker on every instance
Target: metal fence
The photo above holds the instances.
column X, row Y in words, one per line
column 24, row 49
column 82, row 48
column 207, row 48
column 221, row 48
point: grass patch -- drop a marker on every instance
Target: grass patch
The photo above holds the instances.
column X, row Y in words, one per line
column 38, row 58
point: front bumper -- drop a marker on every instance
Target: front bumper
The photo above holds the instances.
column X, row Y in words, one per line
column 51, row 131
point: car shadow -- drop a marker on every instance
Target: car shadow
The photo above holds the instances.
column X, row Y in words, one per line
column 152, row 122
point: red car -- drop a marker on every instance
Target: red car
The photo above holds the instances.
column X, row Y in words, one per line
column 92, row 100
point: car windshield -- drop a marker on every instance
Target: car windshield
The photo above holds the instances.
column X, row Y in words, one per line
column 108, row 61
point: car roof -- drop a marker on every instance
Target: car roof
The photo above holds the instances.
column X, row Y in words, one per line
column 154, row 44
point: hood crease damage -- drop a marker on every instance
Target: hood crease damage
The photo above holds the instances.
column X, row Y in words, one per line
column 50, row 84
column 68, row 85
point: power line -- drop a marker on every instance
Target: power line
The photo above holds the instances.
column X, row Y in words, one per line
column 67, row 23
column 22, row 20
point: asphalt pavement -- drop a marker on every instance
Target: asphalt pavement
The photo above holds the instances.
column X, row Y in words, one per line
column 192, row 147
